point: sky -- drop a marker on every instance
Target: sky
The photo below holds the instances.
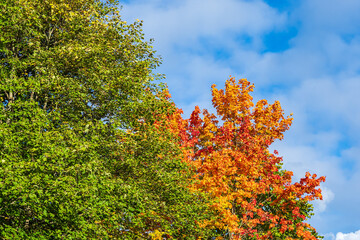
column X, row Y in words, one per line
column 304, row 53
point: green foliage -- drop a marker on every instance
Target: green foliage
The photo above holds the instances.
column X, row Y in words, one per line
column 80, row 155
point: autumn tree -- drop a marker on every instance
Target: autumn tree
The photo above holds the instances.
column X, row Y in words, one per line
column 81, row 156
column 251, row 193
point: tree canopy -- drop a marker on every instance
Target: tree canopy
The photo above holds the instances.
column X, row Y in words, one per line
column 80, row 155
column 253, row 196
column 92, row 147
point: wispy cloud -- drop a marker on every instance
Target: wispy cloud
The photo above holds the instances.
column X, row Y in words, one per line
column 183, row 22
column 192, row 35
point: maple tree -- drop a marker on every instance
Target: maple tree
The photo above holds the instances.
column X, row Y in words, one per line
column 252, row 195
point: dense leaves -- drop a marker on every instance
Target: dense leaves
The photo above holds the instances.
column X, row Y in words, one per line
column 253, row 197
column 81, row 157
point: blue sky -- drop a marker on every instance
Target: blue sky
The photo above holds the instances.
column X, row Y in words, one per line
column 304, row 53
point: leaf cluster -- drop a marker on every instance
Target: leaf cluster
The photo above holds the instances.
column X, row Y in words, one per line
column 254, row 198
column 80, row 155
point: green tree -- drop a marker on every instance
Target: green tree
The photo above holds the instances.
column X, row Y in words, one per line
column 83, row 153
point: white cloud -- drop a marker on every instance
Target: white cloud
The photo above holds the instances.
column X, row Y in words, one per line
column 348, row 236
column 311, row 56
column 180, row 30
column 343, row 236
column 320, row 205
column 184, row 21
column 329, row 236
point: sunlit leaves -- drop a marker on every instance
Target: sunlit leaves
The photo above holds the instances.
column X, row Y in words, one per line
column 254, row 198
column 81, row 155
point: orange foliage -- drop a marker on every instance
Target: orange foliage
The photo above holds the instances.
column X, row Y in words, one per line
column 232, row 163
